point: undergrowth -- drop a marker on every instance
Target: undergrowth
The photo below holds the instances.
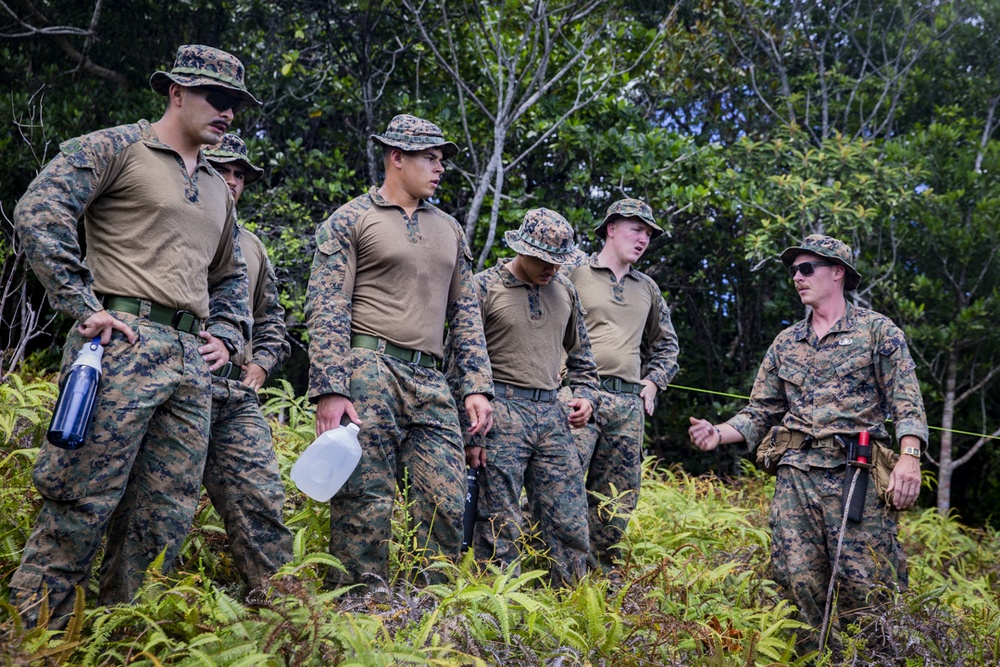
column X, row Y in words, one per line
column 693, row 588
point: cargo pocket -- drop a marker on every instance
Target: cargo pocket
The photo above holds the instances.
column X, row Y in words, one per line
column 774, row 446
column 71, row 474
column 885, row 460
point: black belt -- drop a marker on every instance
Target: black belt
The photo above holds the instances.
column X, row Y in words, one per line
column 508, row 390
column 182, row 320
column 229, row 371
column 409, row 356
column 620, row 386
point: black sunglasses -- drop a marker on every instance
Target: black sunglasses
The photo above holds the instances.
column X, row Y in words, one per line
column 222, row 100
column 806, row 268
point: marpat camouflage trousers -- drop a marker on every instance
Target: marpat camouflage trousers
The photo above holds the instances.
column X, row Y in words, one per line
column 409, row 430
column 244, row 483
column 806, row 514
column 531, row 448
column 611, row 455
column 149, row 435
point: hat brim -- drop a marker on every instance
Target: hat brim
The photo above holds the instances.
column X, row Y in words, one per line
column 448, row 149
column 789, row 254
column 601, row 231
column 521, row 247
column 253, row 174
column 160, row 83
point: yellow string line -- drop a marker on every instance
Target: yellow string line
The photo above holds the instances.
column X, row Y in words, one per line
column 987, row 436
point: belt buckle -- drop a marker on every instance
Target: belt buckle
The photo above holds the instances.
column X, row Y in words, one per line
column 615, row 386
column 536, row 394
column 180, row 323
column 415, row 357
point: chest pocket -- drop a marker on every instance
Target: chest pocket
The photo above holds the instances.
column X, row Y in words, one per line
column 792, row 372
column 847, row 365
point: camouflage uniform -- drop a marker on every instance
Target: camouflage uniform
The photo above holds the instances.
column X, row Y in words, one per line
column 620, row 317
column 528, row 327
column 241, row 472
column 150, row 427
column 386, row 280
column 852, row 380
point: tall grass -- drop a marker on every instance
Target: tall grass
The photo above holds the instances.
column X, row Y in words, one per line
column 693, row 589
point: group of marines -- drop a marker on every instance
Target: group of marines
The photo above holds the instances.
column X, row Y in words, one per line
column 536, row 371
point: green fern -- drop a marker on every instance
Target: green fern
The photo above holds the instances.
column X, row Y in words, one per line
column 25, row 408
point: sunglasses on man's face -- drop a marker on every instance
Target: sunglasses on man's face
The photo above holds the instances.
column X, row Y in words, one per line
column 222, row 100
column 806, row 268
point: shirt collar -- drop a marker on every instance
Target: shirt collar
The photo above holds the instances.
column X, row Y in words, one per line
column 508, row 277
column 845, row 323
column 150, row 138
column 379, row 200
column 592, row 262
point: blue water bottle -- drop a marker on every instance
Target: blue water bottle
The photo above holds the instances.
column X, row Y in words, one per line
column 75, row 406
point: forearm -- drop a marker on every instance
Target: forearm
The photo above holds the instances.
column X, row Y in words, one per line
column 328, row 318
column 45, row 220
column 469, row 363
column 663, row 348
column 270, row 339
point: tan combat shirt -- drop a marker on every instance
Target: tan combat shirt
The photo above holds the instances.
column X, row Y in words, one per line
column 152, row 232
column 379, row 272
column 529, row 328
column 623, row 318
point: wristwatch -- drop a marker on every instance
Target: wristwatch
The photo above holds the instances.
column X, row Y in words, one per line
column 912, row 451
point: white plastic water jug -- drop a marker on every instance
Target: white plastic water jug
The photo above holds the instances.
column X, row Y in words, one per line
column 327, row 463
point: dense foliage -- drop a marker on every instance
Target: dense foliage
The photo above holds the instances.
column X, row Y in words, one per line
column 746, row 124
column 694, row 590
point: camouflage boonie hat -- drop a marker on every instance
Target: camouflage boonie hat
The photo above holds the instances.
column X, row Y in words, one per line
column 232, row 149
column 197, row 65
column 826, row 246
column 409, row 133
column 543, row 234
column 628, row 208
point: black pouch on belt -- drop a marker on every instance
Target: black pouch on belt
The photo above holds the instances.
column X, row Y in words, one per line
column 859, row 458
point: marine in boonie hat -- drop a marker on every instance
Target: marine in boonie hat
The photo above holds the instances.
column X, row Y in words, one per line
column 628, row 208
column 829, row 247
column 232, row 149
column 409, row 133
column 198, row 65
column 543, row 234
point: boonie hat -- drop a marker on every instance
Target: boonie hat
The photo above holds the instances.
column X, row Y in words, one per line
column 198, row 65
column 409, row 133
column 543, row 234
column 232, row 149
column 829, row 247
column 628, row 208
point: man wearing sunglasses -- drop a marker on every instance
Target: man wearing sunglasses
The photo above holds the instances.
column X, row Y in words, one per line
column 841, row 371
column 241, row 471
column 164, row 287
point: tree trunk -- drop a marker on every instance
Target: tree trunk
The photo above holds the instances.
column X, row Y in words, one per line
column 946, row 466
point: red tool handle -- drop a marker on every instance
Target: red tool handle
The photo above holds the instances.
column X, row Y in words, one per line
column 863, row 442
